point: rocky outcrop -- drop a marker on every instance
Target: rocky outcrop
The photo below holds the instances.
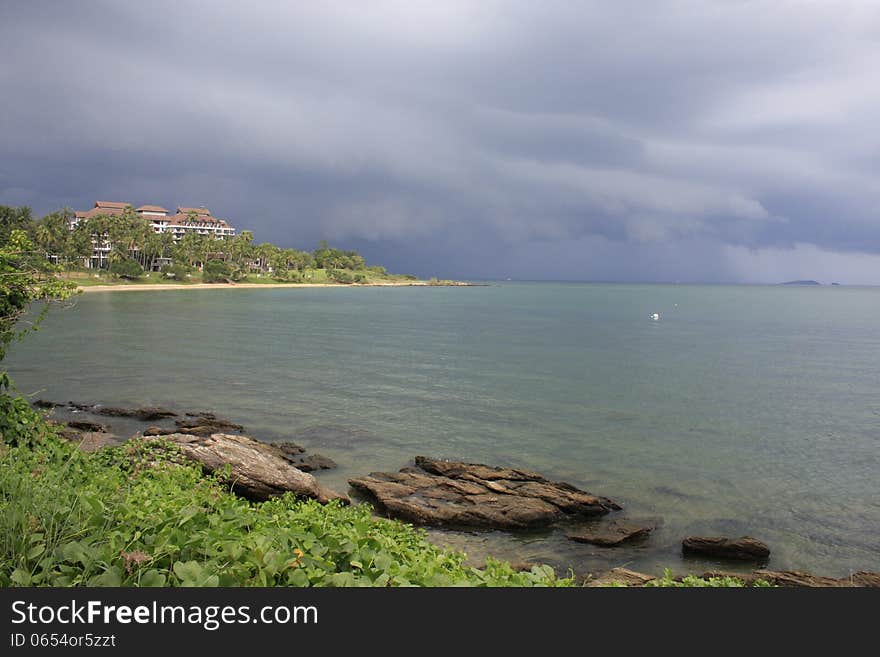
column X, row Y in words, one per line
column 744, row 548
column 621, row 576
column 797, row 578
column 456, row 494
column 613, row 533
column 256, row 470
column 144, row 413
column 206, row 422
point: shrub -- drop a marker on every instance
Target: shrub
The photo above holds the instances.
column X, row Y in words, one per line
column 127, row 269
column 177, row 271
column 216, row 271
column 344, row 276
column 20, row 425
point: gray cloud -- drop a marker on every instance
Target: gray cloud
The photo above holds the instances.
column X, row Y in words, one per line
column 614, row 141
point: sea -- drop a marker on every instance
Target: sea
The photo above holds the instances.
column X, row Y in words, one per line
column 706, row 409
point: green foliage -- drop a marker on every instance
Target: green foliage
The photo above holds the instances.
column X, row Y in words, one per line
column 216, row 271
column 344, row 276
column 178, row 272
column 25, row 276
column 20, row 425
column 135, row 515
column 126, row 268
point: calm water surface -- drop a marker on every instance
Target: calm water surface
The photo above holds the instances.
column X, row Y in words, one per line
column 749, row 410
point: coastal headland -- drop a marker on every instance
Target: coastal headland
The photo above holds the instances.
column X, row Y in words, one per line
column 152, row 287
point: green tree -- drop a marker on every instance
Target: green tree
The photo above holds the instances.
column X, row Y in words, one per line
column 25, row 277
column 13, row 218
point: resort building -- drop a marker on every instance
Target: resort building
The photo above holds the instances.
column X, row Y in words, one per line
column 186, row 220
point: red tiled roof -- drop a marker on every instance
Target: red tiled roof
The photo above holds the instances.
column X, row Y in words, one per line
column 199, row 211
column 94, row 212
column 111, row 204
column 151, row 208
column 182, row 219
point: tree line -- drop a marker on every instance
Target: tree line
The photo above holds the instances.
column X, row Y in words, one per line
column 132, row 247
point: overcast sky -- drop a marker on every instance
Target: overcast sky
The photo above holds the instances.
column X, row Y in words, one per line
column 627, row 140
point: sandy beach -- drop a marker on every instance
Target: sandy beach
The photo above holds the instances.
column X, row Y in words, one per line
column 150, row 287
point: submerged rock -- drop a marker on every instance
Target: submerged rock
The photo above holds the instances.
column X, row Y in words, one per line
column 450, row 493
column 744, row 548
column 311, row 462
column 207, row 422
column 614, row 532
column 145, row 413
column 257, row 470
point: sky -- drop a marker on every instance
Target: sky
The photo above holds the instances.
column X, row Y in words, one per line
column 692, row 141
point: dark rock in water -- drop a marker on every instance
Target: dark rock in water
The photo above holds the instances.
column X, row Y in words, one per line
column 257, row 470
column 449, row 493
column 42, row 403
column 296, row 456
column 85, row 425
column 145, row 414
column 614, row 532
column 92, row 441
column 289, row 449
column 207, row 424
column 621, row 576
column 744, row 548
column 311, row 462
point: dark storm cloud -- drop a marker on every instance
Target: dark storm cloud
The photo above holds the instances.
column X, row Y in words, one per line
column 628, row 140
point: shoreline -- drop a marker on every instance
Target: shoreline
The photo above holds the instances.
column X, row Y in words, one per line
column 152, row 287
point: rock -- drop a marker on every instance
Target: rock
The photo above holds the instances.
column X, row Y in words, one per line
column 42, row 403
column 198, row 430
column 85, row 425
column 797, row 578
column 744, row 548
column 208, row 422
column 296, row 456
column 449, row 493
column 289, row 449
column 866, row 579
column 621, row 576
column 613, row 533
column 92, row 441
column 257, row 470
column 145, row 413
column 311, row 462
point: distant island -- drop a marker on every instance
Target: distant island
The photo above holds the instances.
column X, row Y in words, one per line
column 810, row 282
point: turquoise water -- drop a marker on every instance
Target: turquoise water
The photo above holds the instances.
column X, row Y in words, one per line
column 749, row 410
